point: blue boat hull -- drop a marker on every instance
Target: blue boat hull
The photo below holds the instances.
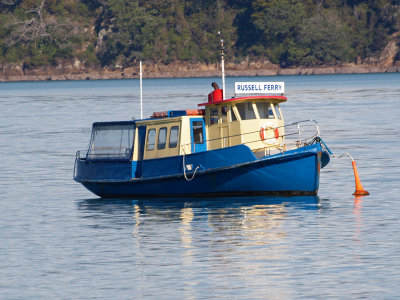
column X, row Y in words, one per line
column 230, row 171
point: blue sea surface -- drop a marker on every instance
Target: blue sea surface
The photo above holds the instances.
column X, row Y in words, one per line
column 59, row 241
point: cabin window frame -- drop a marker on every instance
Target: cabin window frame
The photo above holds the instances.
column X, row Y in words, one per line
column 202, row 138
column 230, row 113
column 177, row 137
column 269, row 106
column 277, row 111
column 246, row 108
column 162, row 146
column 100, row 136
column 223, row 115
column 148, row 139
column 235, row 112
column 213, row 116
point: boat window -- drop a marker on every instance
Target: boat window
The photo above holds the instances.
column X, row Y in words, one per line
column 151, row 139
column 112, row 141
column 265, row 110
column 224, row 114
column 246, row 111
column 233, row 115
column 198, row 132
column 162, row 138
column 277, row 111
column 213, row 115
column 173, row 136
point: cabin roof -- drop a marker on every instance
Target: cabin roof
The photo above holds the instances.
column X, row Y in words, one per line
column 113, row 123
column 177, row 113
column 246, row 99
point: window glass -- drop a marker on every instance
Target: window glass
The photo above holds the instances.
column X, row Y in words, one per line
column 151, row 139
column 111, row 141
column 265, row 110
column 173, row 136
column 162, row 138
column 233, row 116
column 241, row 107
column 246, row 111
column 278, row 112
column 197, row 132
column 224, row 114
column 214, row 116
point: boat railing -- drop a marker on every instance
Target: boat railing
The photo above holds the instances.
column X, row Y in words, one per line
column 295, row 135
column 86, row 155
column 301, row 133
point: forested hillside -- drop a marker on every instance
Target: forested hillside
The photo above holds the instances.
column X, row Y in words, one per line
column 120, row 32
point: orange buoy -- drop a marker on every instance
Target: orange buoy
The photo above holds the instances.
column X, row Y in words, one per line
column 266, row 127
column 359, row 189
column 276, row 131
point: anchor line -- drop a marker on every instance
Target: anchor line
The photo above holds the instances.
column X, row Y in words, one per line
column 360, row 191
column 344, row 154
column 184, row 167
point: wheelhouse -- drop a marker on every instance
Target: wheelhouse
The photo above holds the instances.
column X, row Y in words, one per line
column 256, row 121
column 111, row 140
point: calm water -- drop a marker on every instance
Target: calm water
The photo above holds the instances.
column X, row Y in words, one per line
column 58, row 241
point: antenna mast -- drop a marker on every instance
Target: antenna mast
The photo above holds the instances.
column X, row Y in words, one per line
column 141, row 91
column 222, row 66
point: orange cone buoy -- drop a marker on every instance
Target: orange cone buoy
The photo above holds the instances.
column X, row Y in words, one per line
column 359, row 189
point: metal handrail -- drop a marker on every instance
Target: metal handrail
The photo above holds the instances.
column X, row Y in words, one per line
column 298, row 134
column 80, row 155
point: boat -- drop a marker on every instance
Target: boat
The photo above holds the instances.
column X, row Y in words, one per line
column 238, row 146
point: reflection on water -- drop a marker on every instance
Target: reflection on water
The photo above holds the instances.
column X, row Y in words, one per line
column 207, row 240
column 173, row 208
column 54, row 245
column 357, row 211
column 220, row 202
column 257, row 219
column 247, row 220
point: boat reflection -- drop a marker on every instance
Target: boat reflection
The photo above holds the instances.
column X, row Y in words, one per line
column 225, row 235
column 183, row 209
column 115, row 204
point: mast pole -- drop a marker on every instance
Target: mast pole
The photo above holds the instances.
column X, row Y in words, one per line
column 222, row 67
column 141, row 91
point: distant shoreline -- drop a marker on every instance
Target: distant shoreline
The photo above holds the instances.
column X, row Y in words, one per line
column 178, row 70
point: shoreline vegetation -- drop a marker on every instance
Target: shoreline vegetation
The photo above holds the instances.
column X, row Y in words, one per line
column 106, row 39
column 182, row 70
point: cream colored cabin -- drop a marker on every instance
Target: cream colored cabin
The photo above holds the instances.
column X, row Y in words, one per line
column 254, row 121
column 166, row 137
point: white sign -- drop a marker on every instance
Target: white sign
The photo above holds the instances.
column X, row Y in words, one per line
column 259, row 87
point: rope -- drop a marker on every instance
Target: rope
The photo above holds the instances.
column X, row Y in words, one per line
column 184, row 167
column 344, row 154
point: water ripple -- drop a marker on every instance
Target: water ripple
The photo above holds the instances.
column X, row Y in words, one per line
column 60, row 242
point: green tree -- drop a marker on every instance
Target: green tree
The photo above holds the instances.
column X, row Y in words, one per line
column 118, row 32
column 278, row 24
column 325, row 40
column 128, row 29
column 42, row 32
